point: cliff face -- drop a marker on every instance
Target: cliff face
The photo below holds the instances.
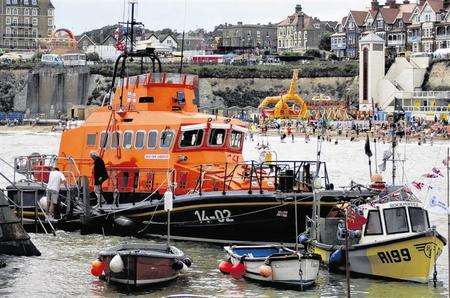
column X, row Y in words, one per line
column 437, row 77
column 249, row 92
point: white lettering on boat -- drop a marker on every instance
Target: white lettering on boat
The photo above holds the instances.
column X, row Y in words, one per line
column 403, row 204
column 218, row 215
column 157, row 156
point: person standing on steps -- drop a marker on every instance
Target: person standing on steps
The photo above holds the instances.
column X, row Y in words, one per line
column 55, row 179
column 100, row 176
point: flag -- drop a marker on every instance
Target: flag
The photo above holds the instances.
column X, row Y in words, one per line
column 386, row 155
column 418, row 185
column 437, row 172
column 367, row 147
column 430, row 175
column 355, row 219
column 436, row 205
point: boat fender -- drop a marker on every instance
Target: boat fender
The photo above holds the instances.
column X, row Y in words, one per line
column 187, row 262
column 238, row 270
column 337, row 258
column 303, row 239
column 184, row 268
column 116, row 264
column 225, row 267
column 124, row 222
column 97, row 267
column 177, row 265
column 43, row 202
column 265, row 271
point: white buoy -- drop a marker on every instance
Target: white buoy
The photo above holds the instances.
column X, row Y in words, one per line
column 185, row 269
column 116, row 264
column 43, row 202
column 168, row 201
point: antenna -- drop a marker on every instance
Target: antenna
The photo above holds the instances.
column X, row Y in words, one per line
column 182, row 38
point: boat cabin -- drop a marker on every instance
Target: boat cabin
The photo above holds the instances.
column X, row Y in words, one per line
column 393, row 219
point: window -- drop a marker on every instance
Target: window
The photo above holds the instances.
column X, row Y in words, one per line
column 34, row 2
column 15, row 11
column 152, row 136
column 50, row 12
column 395, row 220
column 115, row 139
column 26, row 11
column 139, row 140
column 419, row 219
column 8, row 10
column 34, row 12
column 26, row 21
column 8, row 21
column 191, row 138
column 166, row 138
column 235, row 140
column 35, row 21
column 50, row 22
column 26, row 2
column 104, row 140
column 15, row 21
column 373, row 225
column 217, row 137
column 14, row 2
column 91, row 138
column 127, row 140
column 8, row 30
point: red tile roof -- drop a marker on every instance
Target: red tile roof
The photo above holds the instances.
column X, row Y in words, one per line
column 389, row 14
column 436, row 5
column 359, row 17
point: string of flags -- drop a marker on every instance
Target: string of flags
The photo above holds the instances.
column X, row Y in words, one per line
column 433, row 204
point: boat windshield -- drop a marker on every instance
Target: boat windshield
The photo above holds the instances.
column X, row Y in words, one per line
column 419, row 219
column 373, row 226
column 217, row 137
column 191, row 138
column 396, row 220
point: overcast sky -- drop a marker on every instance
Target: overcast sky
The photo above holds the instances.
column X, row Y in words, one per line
column 83, row 15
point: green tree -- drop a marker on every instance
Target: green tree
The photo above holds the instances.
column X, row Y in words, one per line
column 93, row 56
column 325, row 42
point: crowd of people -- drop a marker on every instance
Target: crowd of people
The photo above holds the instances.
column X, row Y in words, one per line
column 410, row 130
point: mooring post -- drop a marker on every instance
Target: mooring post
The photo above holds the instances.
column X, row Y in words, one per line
column 86, row 201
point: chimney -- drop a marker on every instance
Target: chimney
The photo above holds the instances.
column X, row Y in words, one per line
column 239, row 23
column 421, row 2
column 406, row 2
column 391, row 3
column 298, row 8
column 375, row 5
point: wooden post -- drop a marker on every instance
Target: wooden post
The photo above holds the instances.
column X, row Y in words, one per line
column 448, row 205
column 86, row 201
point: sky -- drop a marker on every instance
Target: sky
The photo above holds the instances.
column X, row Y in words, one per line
column 83, row 15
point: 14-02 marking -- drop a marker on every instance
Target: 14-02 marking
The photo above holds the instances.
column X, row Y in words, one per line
column 219, row 215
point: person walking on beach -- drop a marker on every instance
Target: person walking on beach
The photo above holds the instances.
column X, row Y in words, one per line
column 55, row 179
column 100, row 176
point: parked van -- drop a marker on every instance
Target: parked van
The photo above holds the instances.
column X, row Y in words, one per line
column 51, row 59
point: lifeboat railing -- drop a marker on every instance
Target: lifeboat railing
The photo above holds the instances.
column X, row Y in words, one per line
column 284, row 176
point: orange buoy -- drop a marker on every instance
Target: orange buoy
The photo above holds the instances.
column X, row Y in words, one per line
column 225, row 267
column 265, row 271
column 97, row 267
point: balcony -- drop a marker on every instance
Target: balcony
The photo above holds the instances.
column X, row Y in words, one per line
column 19, row 35
column 338, row 46
column 394, row 43
column 413, row 39
column 21, row 25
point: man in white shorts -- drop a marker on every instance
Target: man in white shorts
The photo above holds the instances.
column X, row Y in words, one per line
column 53, row 186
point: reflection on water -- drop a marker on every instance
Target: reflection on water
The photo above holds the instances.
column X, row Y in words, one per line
column 63, row 269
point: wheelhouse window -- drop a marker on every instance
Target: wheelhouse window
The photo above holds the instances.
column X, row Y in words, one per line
column 419, row 219
column 191, row 138
column 104, row 140
column 166, row 139
column 217, row 137
column 115, row 139
column 91, row 139
column 373, row 225
column 152, row 138
column 236, row 139
column 396, row 220
column 127, row 139
column 139, row 140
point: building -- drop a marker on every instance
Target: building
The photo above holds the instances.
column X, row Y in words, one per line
column 300, row 32
column 429, row 29
column 248, row 37
column 23, row 22
column 163, row 43
column 353, row 28
column 339, row 40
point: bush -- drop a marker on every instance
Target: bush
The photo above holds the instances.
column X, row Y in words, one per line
column 313, row 53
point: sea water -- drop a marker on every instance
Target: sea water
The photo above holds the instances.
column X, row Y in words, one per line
column 63, row 269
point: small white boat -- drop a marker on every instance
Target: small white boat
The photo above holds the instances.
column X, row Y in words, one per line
column 142, row 264
column 275, row 264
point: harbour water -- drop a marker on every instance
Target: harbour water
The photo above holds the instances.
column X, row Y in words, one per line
column 63, row 268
